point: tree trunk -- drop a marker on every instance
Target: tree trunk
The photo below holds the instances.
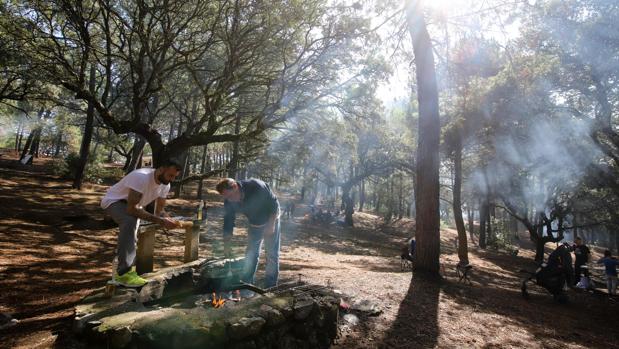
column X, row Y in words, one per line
column 347, row 201
column 491, row 233
column 470, row 215
column 457, row 205
column 234, row 161
column 179, row 185
column 427, row 165
column 18, row 136
column 97, row 138
column 27, row 145
column 400, row 197
column 202, row 170
column 87, row 137
column 21, row 137
column 136, row 153
column 361, row 195
column 483, row 214
column 57, row 144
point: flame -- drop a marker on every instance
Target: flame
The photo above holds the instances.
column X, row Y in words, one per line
column 217, row 303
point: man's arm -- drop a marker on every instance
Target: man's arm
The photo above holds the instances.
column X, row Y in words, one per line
column 133, row 202
column 159, row 208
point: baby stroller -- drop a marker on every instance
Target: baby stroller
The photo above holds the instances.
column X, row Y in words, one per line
column 553, row 275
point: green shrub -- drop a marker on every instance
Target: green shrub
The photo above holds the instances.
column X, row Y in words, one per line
column 67, row 167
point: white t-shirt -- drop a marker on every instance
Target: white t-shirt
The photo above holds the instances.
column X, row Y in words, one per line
column 141, row 180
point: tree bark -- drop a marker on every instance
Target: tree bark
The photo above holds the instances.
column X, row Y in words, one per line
column 87, row 137
column 348, row 203
column 234, row 161
column 457, row 205
column 427, row 165
column 202, row 170
column 361, row 195
column 470, row 213
column 136, row 153
column 18, row 136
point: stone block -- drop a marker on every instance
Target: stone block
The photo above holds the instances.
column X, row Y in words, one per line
column 303, row 308
column 273, row 316
column 246, row 327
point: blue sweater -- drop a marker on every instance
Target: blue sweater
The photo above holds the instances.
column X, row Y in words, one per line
column 258, row 203
column 610, row 264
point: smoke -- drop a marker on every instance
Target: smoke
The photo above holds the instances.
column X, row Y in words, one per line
column 539, row 161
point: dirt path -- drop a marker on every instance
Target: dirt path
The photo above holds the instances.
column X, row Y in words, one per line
column 48, row 263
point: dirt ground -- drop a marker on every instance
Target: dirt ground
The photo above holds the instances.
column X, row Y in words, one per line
column 55, row 248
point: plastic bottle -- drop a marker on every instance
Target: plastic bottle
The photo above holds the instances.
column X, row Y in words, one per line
column 110, row 287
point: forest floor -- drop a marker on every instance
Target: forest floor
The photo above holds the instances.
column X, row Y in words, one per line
column 54, row 250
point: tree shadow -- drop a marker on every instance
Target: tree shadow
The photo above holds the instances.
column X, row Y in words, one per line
column 416, row 324
column 576, row 322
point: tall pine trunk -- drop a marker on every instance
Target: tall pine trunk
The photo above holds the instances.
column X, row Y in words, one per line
column 427, row 166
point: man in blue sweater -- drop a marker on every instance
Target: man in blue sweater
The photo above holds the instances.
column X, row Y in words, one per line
column 256, row 201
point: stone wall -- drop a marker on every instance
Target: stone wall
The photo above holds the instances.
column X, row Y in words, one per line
column 185, row 318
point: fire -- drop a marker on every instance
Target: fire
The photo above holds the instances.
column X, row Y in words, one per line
column 217, row 303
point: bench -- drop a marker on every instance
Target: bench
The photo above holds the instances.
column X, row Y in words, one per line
column 146, row 245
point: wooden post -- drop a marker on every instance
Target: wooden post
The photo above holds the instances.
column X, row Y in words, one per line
column 146, row 247
column 192, row 237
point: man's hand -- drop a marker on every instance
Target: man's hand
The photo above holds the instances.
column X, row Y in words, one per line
column 169, row 223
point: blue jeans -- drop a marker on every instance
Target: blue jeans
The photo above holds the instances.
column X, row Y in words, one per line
column 252, row 254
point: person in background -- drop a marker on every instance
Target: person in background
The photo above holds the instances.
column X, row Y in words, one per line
column 582, row 253
column 125, row 202
column 408, row 251
column 610, row 269
column 256, row 201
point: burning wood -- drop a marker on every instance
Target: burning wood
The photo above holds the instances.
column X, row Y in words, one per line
column 217, row 302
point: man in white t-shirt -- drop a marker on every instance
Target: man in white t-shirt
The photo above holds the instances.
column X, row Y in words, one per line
column 125, row 202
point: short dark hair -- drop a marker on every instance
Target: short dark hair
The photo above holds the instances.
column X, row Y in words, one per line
column 224, row 184
column 171, row 163
column 607, row 253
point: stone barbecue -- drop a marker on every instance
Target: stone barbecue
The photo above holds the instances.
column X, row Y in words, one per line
column 195, row 306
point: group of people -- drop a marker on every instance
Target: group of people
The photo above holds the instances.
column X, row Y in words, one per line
column 581, row 272
column 126, row 201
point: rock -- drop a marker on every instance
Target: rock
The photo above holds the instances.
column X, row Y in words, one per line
column 273, row 316
column 246, row 327
column 303, row 308
column 167, row 282
column 302, row 331
column 351, row 319
column 119, row 338
column 366, row 306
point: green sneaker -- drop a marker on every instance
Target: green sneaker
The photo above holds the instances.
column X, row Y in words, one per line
column 130, row 279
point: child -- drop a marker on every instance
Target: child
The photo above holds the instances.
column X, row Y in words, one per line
column 610, row 264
